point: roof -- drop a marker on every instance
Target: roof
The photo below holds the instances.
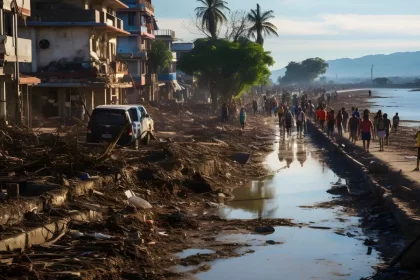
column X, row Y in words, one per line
column 116, row 107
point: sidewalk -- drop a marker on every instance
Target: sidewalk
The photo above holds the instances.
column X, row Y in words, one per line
column 397, row 159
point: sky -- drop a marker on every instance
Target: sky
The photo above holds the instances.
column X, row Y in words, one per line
column 328, row 29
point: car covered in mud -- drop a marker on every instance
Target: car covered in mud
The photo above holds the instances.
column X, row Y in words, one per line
column 108, row 121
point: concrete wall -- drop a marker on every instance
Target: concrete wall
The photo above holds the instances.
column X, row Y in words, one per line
column 70, row 43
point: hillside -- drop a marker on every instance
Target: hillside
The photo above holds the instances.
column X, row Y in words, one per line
column 395, row 64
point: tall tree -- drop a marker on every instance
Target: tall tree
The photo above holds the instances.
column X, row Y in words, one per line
column 237, row 26
column 211, row 15
column 261, row 26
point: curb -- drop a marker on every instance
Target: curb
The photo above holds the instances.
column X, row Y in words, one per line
column 409, row 223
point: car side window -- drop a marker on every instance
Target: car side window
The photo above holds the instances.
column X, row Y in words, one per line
column 142, row 112
column 134, row 115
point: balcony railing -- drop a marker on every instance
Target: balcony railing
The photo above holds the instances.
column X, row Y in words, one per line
column 7, row 47
column 130, row 28
column 146, row 4
column 109, row 19
column 165, row 32
column 147, row 29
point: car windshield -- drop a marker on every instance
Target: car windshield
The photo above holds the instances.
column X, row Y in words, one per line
column 109, row 117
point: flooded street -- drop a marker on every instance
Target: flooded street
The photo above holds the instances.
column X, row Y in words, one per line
column 328, row 245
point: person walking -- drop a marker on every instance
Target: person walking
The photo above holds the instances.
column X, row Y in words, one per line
column 225, row 113
column 417, row 137
column 353, row 128
column 255, row 106
column 380, row 131
column 339, row 121
column 288, row 121
column 300, row 121
column 366, row 128
column 322, row 117
column 357, row 112
column 395, row 122
column 330, row 123
column 345, row 118
column 280, row 114
column 387, row 128
column 242, row 118
column 375, row 124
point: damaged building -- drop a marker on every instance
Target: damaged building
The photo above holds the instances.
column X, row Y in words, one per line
column 74, row 47
column 15, row 89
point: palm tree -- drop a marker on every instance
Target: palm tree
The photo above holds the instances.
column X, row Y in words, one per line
column 211, row 14
column 260, row 25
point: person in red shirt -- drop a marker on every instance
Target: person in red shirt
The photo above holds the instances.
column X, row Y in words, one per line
column 321, row 115
column 366, row 128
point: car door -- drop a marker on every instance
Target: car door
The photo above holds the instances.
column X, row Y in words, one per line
column 145, row 120
column 135, row 121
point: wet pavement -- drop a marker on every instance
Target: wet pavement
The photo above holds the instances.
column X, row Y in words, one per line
column 299, row 180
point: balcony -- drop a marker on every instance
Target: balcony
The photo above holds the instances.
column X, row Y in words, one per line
column 7, row 49
column 147, row 31
column 165, row 32
column 76, row 17
column 167, row 77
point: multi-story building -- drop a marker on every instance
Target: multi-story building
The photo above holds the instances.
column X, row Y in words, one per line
column 139, row 20
column 15, row 96
column 167, row 77
column 185, row 81
column 74, row 49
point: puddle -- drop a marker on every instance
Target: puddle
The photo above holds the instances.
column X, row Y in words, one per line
column 191, row 252
column 300, row 177
column 305, row 254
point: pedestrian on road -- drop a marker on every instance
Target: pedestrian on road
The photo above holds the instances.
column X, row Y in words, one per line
column 321, row 115
column 418, row 149
column 354, row 124
column 242, row 118
column 366, row 127
column 387, row 128
column 330, row 123
column 339, row 120
column 288, row 121
column 370, row 93
column 225, row 113
column 345, row 118
column 335, row 96
column 280, row 114
column 380, row 131
column 328, row 98
column 300, row 121
column 357, row 113
column 375, row 123
column 396, row 122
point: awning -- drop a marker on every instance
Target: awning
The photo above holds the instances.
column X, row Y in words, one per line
column 28, row 80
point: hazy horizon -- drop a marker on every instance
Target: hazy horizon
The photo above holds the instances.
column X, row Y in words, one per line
column 322, row 28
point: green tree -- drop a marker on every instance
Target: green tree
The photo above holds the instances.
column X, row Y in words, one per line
column 159, row 57
column 260, row 25
column 230, row 68
column 305, row 71
column 211, row 15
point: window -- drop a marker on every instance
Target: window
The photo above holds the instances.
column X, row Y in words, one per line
column 134, row 115
column 131, row 19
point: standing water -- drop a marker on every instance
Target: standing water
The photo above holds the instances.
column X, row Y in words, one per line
column 299, row 178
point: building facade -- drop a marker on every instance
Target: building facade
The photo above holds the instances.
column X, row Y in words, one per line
column 168, row 84
column 14, row 88
column 74, row 53
column 139, row 20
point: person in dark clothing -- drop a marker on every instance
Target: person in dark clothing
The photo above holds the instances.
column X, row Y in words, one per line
column 330, row 123
column 387, row 123
column 339, row 120
column 225, row 113
column 288, row 121
column 345, row 118
column 255, row 106
column 353, row 128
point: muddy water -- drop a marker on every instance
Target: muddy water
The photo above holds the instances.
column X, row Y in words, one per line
column 299, row 178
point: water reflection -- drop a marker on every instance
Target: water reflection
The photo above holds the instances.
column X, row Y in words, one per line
column 299, row 177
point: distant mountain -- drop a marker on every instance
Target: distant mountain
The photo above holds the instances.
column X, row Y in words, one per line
column 403, row 64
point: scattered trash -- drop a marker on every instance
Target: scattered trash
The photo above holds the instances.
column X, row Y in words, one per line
column 163, row 233
column 137, row 201
column 266, row 229
column 98, row 235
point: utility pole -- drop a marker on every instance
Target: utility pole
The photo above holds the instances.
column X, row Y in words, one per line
column 18, row 112
column 371, row 74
